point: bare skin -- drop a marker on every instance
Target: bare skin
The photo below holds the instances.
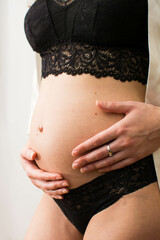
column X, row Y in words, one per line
column 126, row 139
column 47, row 213
column 44, row 180
column 49, row 223
column 66, row 116
column 140, row 206
column 134, row 216
column 61, row 164
column 135, row 211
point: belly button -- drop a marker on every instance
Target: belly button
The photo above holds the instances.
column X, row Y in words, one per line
column 40, row 128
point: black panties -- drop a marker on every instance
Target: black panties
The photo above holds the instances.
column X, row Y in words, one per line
column 81, row 203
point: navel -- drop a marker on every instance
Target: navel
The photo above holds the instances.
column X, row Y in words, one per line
column 40, row 128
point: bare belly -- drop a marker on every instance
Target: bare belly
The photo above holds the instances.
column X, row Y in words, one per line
column 66, row 115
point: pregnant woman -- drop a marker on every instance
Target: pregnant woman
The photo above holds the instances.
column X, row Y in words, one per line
column 94, row 50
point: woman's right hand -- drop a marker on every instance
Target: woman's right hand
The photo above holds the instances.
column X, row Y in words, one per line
column 44, row 180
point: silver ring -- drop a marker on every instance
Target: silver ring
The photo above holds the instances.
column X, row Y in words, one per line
column 109, row 151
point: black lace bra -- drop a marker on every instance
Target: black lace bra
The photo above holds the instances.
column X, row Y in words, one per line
column 99, row 37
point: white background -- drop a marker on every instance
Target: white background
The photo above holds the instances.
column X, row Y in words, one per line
column 18, row 196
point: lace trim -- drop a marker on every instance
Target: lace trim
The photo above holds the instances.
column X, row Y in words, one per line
column 109, row 187
column 125, row 64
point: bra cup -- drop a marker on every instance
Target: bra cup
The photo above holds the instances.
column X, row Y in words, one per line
column 76, row 21
column 63, row 18
column 100, row 37
column 84, row 21
column 122, row 26
column 99, row 22
column 38, row 27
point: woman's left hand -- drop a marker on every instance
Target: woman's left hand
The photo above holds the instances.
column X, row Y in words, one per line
column 132, row 138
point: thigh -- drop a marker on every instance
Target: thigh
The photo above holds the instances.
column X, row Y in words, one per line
column 134, row 216
column 49, row 223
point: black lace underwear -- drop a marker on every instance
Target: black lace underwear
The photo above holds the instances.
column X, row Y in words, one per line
column 73, row 57
column 81, row 203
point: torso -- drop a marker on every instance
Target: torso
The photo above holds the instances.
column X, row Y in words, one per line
column 66, row 115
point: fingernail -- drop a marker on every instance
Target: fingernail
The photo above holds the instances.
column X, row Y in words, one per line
column 74, row 165
column 97, row 102
column 31, row 154
column 65, row 184
column 64, row 190
column 59, row 197
column 74, row 152
column 59, row 178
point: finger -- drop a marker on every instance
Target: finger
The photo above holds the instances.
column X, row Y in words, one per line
column 97, row 140
column 108, row 134
column 28, row 153
column 118, row 165
column 57, row 197
column 90, row 157
column 57, row 192
column 106, row 162
column 33, row 171
column 99, row 153
column 115, row 106
column 54, row 196
column 50, row 185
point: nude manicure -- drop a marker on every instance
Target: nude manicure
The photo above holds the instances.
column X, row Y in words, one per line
column 64, row 190
column 65, row 184
column 59, row 197
column 74, row 152
column 58, row 178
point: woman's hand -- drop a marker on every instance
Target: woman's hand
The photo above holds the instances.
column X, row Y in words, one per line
column 130, row 139
column 50, row 183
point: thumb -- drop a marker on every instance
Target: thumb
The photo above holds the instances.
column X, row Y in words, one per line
column 28, row 153
column 115, row 107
